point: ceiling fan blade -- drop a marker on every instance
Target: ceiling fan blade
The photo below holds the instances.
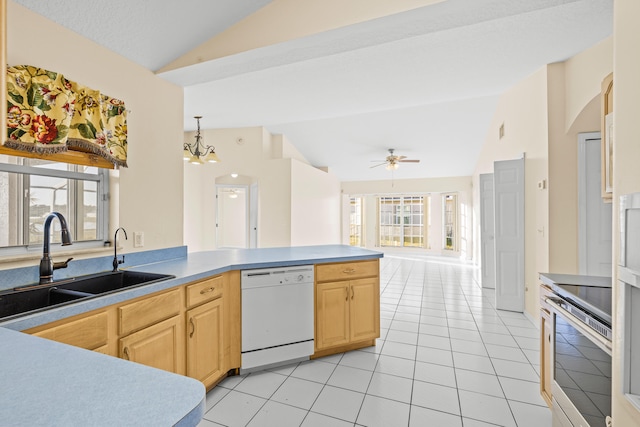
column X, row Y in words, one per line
column 409, row 161
column 400, row 157
column 375, row 166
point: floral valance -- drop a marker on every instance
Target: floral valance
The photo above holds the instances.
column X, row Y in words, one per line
column 47, row 113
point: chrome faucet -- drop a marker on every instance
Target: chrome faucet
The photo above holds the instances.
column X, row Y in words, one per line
column 116, row 261
column 46, row 263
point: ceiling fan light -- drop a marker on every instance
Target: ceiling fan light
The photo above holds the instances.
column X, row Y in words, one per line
column 392, row 166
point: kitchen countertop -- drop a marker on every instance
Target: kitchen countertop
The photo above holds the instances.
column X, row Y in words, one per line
column 53, row 384
column 197, row 266
column 57, row 384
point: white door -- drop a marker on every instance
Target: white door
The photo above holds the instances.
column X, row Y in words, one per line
column 232, row 219
column 594, row 216
column 508, row 179
column 487, row 242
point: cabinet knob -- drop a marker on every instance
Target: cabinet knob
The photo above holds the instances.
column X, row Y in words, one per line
column 193, row 327
column 352, row 293
column 125, row 353
column 349, row 271
column 346, row 288
column 206, row 291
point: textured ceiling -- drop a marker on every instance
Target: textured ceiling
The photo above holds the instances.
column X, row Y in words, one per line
column 425, row 82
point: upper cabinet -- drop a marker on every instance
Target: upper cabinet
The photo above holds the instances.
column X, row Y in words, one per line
column 606, row 125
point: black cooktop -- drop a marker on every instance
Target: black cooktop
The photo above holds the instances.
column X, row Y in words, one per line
column 590, row 293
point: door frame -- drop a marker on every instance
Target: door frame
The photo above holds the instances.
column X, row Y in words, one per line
column 219, row 189
column 583, row 223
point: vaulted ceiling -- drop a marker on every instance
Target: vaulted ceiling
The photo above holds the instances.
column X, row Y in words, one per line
column 345, row 80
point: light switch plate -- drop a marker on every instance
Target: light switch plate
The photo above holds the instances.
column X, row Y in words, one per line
column 138, row 239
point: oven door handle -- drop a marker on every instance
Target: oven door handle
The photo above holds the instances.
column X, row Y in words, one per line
column 599, row 340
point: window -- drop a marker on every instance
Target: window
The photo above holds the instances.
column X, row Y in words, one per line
column 355, row 222
column 401, row 221
column 450, row 223
column 32, row 188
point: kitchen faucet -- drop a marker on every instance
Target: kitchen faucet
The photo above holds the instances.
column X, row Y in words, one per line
column 46, row 264
column 116, row 261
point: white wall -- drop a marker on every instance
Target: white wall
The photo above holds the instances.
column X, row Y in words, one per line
column 150, row 190
column 296, row 202
column 274, row 212
column 523, row 111
column 315, row 206
column 542, row 116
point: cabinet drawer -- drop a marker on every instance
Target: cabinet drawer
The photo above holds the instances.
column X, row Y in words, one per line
column 347, row 270
column 204, row 291
column 89, row 332
column 150, row 310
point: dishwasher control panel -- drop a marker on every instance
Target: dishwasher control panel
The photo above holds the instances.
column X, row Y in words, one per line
column 275, row 276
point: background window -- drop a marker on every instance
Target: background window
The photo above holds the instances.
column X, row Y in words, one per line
column 450, row 202
column 355, row 222
column 401, row 221
column 30, row 189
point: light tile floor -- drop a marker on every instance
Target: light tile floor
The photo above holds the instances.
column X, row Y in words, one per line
column 446, row 357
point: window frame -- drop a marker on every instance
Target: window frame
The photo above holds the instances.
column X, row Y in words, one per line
column 397, row 217
column 102, row 210
column 356, row 229
column 454, row 224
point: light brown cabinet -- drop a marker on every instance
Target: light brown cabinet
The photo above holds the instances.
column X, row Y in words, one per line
column 332, row 314
column 547, row 335
column 193, row 329
column 347, row 306
column 88, row 332
column 206, row 331
column 149, row 310
column 147, row 338
column 205, row 344
column 159, row 345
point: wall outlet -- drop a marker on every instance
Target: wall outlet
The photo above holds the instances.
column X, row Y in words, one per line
column 138, row 239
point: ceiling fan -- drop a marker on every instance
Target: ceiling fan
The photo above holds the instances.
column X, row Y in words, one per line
column 392, row 161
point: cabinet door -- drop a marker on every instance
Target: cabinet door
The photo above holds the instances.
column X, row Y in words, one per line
column 205, row 342
column 364, row 312
column 160, row 346
column 88, row 332
column 332, row 314
column 546, row 355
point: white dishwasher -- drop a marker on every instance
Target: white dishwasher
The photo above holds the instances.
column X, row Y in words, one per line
column 277, row 316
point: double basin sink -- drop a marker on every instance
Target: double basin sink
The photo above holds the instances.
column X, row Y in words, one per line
column 38, row 297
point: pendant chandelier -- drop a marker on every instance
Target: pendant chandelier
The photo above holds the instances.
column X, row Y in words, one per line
column 197, row 153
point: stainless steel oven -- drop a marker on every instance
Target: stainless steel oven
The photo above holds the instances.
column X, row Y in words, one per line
column 582, row 355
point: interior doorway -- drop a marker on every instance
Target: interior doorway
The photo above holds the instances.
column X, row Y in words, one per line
column 232, row 222
column 594, row 215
